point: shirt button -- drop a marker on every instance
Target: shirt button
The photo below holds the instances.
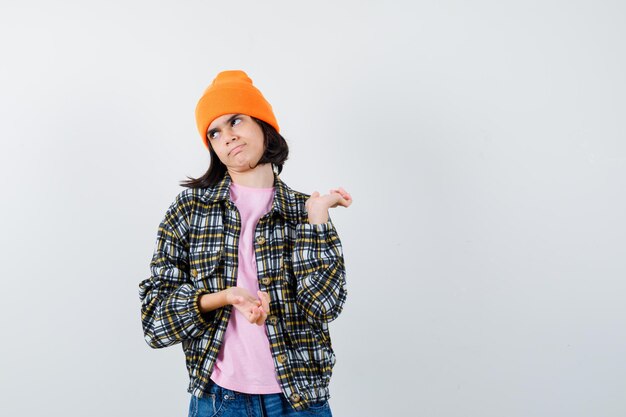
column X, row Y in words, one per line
column 194, row 273
column 260, row 240
column 273, row 320
column 282, row 358
column 266, row 281
column 295, row 397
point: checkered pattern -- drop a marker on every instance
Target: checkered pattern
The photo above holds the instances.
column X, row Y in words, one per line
column 299, row 264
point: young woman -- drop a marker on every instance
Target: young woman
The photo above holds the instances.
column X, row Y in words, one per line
column 247, row 272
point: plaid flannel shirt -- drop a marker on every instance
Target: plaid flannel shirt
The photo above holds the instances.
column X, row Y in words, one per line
column 299, row 264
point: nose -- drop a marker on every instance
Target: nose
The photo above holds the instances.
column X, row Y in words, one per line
column 230, row 135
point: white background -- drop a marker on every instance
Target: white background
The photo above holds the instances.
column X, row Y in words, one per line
column 483, row 143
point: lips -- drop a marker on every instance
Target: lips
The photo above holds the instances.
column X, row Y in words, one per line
column 236, row 149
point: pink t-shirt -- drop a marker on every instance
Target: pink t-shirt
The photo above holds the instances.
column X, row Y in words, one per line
column 245, row 362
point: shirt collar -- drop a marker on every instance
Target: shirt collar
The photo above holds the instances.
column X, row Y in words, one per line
column 283, row 196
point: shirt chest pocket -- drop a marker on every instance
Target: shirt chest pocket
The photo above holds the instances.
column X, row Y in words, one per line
column 205, row 270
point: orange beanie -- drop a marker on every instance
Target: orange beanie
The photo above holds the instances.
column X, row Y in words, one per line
column 232, row 92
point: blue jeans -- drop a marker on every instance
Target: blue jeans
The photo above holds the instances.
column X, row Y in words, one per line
column 226, row 403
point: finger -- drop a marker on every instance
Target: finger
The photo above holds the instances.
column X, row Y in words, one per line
column 261, row 320
column 342, row 193
column 263, row 295
column 265, row 301
column 346, row 200
column 262, row 317
column 266, row 307
column 340, row 190
column 254, row 315
column 340, row 201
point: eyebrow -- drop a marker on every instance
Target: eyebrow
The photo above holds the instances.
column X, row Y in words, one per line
column 230, row 119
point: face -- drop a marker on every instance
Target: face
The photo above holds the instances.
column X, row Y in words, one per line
column 237, row 140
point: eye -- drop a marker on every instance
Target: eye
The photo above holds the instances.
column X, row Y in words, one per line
column 213, row 134
column 235, row 121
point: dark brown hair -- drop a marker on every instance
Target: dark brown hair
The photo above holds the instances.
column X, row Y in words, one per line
column 276, row 153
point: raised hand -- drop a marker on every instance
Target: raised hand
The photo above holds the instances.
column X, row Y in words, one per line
column 317, row 205
column 254, row 309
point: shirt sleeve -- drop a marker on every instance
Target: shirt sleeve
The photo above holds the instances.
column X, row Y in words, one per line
column 169, row 300
column 318, row 265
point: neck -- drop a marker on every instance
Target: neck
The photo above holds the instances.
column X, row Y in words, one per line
column 260, row 176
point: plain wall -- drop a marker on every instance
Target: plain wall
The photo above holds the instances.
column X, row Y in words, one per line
column 483, row 143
